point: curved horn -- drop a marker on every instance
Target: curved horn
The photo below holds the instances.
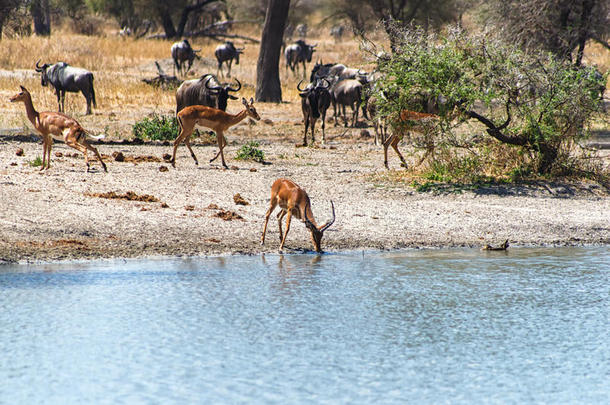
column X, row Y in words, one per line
column 299, row 86
column 332, row 221
column 38, row 68
column 216, row 88
column 308, row 223
column 327, row 83
column 237, row 89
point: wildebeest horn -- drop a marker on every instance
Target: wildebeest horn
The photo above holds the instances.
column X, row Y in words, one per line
column 215, row 88
column 299, row 86
column 233, row 89
column 38, row 68
column 332, row 221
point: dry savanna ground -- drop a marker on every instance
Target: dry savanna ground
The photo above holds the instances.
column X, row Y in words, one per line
column 143, row 206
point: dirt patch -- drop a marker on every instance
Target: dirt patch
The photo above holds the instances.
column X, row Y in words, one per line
column 120, row 157
column 239, row 200
column 227, row 215
column 129, row 195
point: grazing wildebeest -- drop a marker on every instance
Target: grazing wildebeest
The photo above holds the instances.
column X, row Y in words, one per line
column 56, row 125
column 183, row 52
column 64, row 77
column 347, row 92
column 206, row 90
column 315, row 100
column 299, row 52
column 226, row 53
column 337, row 32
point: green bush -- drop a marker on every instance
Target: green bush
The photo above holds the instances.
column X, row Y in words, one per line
column 250, row 151
column 36, row 162
column 156, row 128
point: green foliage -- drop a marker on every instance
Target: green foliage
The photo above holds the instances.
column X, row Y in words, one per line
column 36, row 162
column 250, row 151
column 156, row 127
column 532, row 101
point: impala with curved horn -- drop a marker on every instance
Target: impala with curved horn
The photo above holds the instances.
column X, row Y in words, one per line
column 293, row 200
column 315, row 100
column 64, row 77
column 206, row 90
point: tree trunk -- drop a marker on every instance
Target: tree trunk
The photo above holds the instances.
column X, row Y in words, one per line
column 41, row 16
column 166, row 21
column 268, row 86
column 188, row 10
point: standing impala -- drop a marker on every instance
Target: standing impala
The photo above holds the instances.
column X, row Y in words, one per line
column 410, row 120
column 215, row 119
column 293, row 200
column 56, row 125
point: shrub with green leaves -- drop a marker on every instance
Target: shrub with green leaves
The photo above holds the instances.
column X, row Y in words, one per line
column 250, row 151
column 36, row 162
column 156, row 128
column 527, row 100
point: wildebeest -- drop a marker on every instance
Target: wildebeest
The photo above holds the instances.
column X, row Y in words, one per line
column 64, row 77
column 299, row 52
column 320, row 70
column 301, row 30
column 183, row 52
column 347, row 92
column 226, row 53
column 315, row 100
column 206, row 90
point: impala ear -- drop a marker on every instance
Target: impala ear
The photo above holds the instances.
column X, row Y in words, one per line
column 243, row 100
column 23, row 88
column 251, row 100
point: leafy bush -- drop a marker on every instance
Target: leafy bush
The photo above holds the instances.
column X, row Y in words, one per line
column 530, row 101
column 250, row 151
column 156, row 128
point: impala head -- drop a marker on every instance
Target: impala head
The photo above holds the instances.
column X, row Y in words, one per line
column 317, row 232
column 250, row 108
column 21, row 96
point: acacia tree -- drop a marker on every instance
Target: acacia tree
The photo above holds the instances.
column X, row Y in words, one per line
column 532, row 101
column 7, row 7
column 268, row 86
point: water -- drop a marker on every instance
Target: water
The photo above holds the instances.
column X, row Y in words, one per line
column 446, row 326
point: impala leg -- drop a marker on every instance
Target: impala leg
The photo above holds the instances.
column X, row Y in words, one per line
column 288, row 218
column 395, row 147
column 267, row 215
column 386, row 145
column 218, row 153
column 49, row 146
column 73, row 143
column 221, row 144
column 188, row 145
column 184, row 133
column 97, row 154
column 280, row 217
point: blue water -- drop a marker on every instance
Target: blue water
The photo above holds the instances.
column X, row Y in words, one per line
column 425, row 327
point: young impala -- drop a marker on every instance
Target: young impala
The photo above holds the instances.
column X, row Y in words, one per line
column 215, row 119
column 293, row 200
column 56, row 125
column 410, row 120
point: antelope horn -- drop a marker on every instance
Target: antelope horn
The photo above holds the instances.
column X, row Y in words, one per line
column 332, row 221
column 308, row 223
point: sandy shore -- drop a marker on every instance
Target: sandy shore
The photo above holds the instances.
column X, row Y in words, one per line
column 61, row 214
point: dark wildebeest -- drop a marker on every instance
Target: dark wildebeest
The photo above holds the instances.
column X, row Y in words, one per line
column 347, row 92
column 315, row 100
column 299, row 52
column 183, row 52
column 64, row 77
column 320, row 71
column 206, row 90
column 226, row 53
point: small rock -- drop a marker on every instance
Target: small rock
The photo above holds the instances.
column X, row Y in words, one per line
column 365, row 134
column 234, row 168
column 167, row 157
column 19, row 152
column 213, row 206
column 163, row 168
column 253, row 169
column 190, row 208
column 58, row 154
column 13, row 163
column 164, row 205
